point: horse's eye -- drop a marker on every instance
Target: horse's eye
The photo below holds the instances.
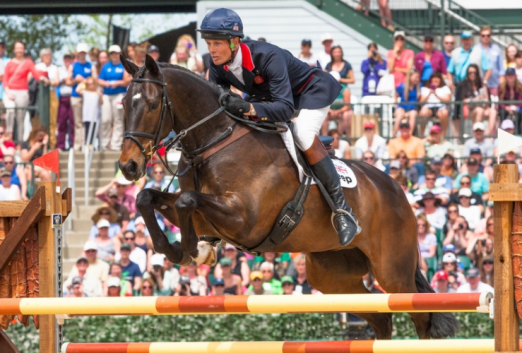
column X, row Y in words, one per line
column 153, row 106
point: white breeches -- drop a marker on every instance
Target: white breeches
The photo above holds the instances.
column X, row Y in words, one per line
column 307, row 126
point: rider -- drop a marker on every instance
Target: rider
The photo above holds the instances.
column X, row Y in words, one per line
column 270, row 74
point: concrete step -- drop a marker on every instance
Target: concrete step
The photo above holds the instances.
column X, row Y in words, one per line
column 83, row 225
column 68, row 264
column 93, row 181
column 72, row 251
column 83, row 212
column 95, row 164
column 73, row 238
column 79, row 173
column 80, row 200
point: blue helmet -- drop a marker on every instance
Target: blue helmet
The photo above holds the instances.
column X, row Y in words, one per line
column 221, row 24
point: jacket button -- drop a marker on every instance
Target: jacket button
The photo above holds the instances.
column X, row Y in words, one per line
column 263, row 98
column 253, row 95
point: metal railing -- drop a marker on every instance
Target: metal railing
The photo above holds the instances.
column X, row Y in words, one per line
column 88, row 152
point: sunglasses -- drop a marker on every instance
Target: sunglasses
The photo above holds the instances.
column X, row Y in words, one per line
column 428, row 40
column 487, row 263
column 472, row 72
column 431, row 179
column 129, row 239
column 287, row 284
column 147, row 287
column 88, row 251
column 464, row 183
column 121, row 186
column 159, row 172
column 1, row 133
column 449, row 43
column 485, row 35
column 368, row 129
column 453, row 211
column 266, row 271
column 104, row 213
column 219, row 285
column 490, row 224
column 421, row 225
column 78, row 287
column 256, row 279
column 6, row 162
column 447, row 263
column 368, row 158
column 399, row 39
column 113, row 197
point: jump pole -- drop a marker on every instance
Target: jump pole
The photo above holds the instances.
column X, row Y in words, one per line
column 254, row 304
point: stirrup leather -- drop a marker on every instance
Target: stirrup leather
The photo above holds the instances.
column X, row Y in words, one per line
column 349, row 214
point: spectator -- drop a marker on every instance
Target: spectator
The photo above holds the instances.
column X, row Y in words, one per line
column 198, row 283
column 449, row 166
column 33, row 148
column 269, row 282
column 154, row 52
column 324, row 57
column 508, row 126
column 478, row 141
column 474, row 285
column 341, row 147
column 463, row 57
column 77, row 289
column 473, row 89
column 435, row 144
column 78, row 72
column 103, row 58
column 369, row 157
column 403, row 182
column 239, row 264
column 476, row 199
column 434, row 93
column 114, row 81
column 186, row 41
column 121, row 185
column 404, row 110
column 430, row 181
column 91, row 286
column 386, row 15
column 453, row 213
column 479, row 182
column 232, row 281
column 442, row 181
column 400, row 59
column 168, row 266
column 110, row 215
column 181, row 57
column 159, row 182
column 142, row 240
column 92, row 101
column 518, row 65
column 486, row 224
column 487, row 272
column 373, row 69
column 7, row 146
column 116, row 271
column 97, row 268
column 257, row 287
column 451, row 266
column 277, row 259
column 411, row 145
column 494, row 55
column 130, row 50
column 288, row 285
column 470, row 212
column 306, row 55
column 300, row 280
column 8, row 191
column 183, row 287
column 441, row 278
column 449, row 46
column 430, row 207
column 459, row 235
column 370, row 141
column 137, row 255
column 161, row 278
column 130, row 270
column 16, row 90
column 121, row 211
column 114, row 287
column 427, row 240
column 429, row 61
column 18, row 176
column 65, row 112
column 511, row 90
column 406, row 168
column 218, row 287
column 106, row 246
column 147, row 287
column 139, row 55
column 94, row 53
column 511, row 52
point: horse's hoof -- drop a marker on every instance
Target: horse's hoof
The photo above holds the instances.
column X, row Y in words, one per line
column 206, row 254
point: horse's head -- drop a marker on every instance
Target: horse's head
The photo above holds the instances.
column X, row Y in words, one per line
column 148, row 118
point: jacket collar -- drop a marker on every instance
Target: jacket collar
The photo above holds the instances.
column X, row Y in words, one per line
column 247, row 61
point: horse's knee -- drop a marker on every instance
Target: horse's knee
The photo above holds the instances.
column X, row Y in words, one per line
column 144, row 198
column 186, row 200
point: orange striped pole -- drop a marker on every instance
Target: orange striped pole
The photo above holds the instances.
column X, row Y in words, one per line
column 255, row 304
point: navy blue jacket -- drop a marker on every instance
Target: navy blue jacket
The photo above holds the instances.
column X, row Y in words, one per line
column 272, row 74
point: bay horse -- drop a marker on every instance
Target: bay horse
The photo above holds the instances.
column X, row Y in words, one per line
column 238, row 192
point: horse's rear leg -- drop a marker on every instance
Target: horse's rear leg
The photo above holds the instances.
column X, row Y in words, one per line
column 341, row 272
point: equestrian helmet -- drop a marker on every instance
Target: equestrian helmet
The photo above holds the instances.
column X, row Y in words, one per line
column 221, row 24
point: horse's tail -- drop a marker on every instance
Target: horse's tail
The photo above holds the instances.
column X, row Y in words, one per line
column 442, row 324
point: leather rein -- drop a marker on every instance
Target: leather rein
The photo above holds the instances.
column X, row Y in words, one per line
column 156, row 143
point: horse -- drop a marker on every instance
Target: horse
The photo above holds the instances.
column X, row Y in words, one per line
column 237, row 193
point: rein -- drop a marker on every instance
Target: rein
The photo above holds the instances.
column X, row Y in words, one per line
column 150, row 148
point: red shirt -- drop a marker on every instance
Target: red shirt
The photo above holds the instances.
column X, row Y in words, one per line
column 17, row 79
column 7, row 144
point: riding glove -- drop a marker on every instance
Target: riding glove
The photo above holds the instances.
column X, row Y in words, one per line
column 236, row 105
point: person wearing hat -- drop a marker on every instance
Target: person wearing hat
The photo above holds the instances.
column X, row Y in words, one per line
column 78, row 72
column 510, row 90
column 479, row 141
column 106, row 246
column 267, row 72
column 442, row 180
column 429, row 61
column 494, row 54
column 65, row 117
column 256, row 285
column 399, row 59
column 154, row 52
column 288, row 285
column 94, row 268
column 324, row 57
column 435, row 143
column 475, row 285
column 137, row 255
column 120, row 184
column 429, row 205
column 411, row 145
column 239, row 264
column 109, row 214
column 372, row 68
column 450, row 265
column 472, row 213
column 92, row 286
column 121, row 211
column 464, row 56
column 130, row 270
column 430, row 185
column 476, row 199
column 114, row 80
column 370, row 141
column 8, row 191
column 114, row 287
column 441, row 278
column 76, row 289
column 218, row 287
column 306, row 55
column 479, row 182
column 231, row 280
column 161, row 277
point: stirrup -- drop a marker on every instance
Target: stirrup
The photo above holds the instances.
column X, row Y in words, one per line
column 349, row 214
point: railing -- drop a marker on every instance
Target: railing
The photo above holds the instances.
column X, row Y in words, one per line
column 71, row 183
column 88, row 151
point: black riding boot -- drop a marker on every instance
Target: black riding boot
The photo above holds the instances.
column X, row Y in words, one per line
column 344, row 220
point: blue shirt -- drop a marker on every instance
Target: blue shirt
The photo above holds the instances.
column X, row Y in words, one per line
column 85, row 70
column 412, row 97
column 442, row 181
column 130, row 271
column 3, row 62
column 479, row 184
column 370, row 69
column 494, row 55
column 427, row 71
column 446, row 57
column 460, row 68
column 111, row 72
column 114, row 229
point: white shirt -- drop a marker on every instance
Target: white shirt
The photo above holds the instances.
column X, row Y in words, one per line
column 237, row 66
column 311, row 60
column 343, row 145
column 437, row 219
column 378, row 146
column 482, row 287
column 10, row 194
column 52, row 70
column 433, row 101
column 323, row 59
column 138, row 256
column 472, row 215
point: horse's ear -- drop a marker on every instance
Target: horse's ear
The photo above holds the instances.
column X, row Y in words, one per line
column 151, row 65
column 129, row 66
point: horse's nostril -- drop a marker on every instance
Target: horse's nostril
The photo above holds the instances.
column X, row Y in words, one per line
column 132, row 168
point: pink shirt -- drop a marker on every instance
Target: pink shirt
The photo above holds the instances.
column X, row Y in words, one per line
column 401, row 62
column 17, row 79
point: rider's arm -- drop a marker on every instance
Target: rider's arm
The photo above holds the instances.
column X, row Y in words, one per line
column 214, row 77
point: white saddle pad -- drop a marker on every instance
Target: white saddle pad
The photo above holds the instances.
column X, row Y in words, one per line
column 346, row 174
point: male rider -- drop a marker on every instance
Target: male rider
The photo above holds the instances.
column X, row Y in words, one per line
column 269, row 74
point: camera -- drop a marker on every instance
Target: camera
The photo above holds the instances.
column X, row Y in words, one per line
column 374, row 53
column 461, row 226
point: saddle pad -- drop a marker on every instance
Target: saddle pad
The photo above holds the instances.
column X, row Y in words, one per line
column 346, row 174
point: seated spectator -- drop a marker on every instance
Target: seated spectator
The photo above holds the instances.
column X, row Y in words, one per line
column 158, row 181
column 341, row 147
column 183, row 287
column 408, row 92
column 453, row 213
column 256, row 285
column 116, row 271
column 475, row 285
column 484, row 166
column 459, row 235
column 411, row 145
column 33, row 148
column 427, row 240
column 487, row 272
column 269, row 282
column 471, row 90
column 442, row 283
column 430, row 207
column 301, row 280
column 168, row 266
column 91, row 286
column 429, row 61
column 518, row 65
column 239, row 265
column 407, row 168
column 109, row 214
column 106, row 246
column 451, row 267
column 130, row 270
column 399, row 59
column 288, row 285
column 198, row 283
column 18, row 176
column 470, row 212
column 8, row 191
column 511, row 90
column 372, row 69
column 478, row 141
column 114, row 287
column 121, row 211
column 121, row 185
column 370, row 141
column 476, row 200
column 449, row 166
column 481, row 246
column 442, row 180
column 435, row 144
column 137, row 255
column 510, row 56
column 232, row 281
column 403, row 182
column 479, row 182
column 97, row 268
column 77, row 290
column 142, row 240
column 369, row 157
column 147, row 287
column 430, row 185
column 306, row 55
column 218, row 287
column 279, row 260
column 7, row 146
column 160, row 277
column 435, row 94
column 485, row 227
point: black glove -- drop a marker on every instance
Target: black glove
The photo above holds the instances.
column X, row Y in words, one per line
column 236, row 105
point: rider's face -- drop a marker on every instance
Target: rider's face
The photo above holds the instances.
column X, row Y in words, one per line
column 219, row 50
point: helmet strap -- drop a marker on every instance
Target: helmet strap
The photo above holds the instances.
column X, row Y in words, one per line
column 234, row 52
